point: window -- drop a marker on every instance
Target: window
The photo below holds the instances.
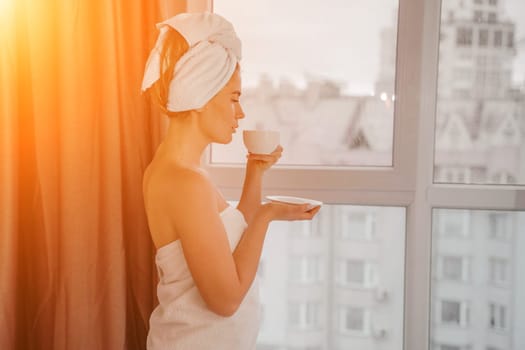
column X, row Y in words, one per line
column 483, row 37
column 500, row 225
column 503, row 177
column 328, row 270
column 306, row 269
column 510, row 40
column 464, row 36
column 493, row 2
column 454, row 313
column 498, row 270
column 452, row 223
column 357, row 273
column 358, row 223
column 354, row 320
column 454, row 268
column 304, row 315
column 449, row 174
column 450, row 312
column 334, row 108
column 337, row 168
column 498, row 38
column 308, row 229
column 492, row 17
column 497, row 316
column 478, row 16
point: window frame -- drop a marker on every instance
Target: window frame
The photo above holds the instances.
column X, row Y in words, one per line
column 409, row 182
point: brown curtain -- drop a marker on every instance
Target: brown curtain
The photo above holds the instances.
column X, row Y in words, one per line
column 76, row 259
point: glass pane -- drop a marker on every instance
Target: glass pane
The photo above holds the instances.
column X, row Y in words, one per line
column 480, row 135
column 322, row 73
column 478, row 282
column 327, row 290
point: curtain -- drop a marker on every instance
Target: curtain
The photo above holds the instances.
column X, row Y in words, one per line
column 76, row 259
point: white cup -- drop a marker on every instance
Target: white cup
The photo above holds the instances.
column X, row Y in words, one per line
column 261, row 141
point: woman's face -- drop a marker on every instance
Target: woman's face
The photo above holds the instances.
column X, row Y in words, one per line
column 219, row 118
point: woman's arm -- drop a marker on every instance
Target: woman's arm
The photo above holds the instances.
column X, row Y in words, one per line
column 256, row 165
column 222, row 277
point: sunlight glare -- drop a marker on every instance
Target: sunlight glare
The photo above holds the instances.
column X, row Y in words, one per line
column 6, row 8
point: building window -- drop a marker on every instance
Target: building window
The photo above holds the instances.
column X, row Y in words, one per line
column 478, row 16
column 454, row 313
column 464, row 36
column 497, row 316
column 454, row 268
column 449, row 347
column 358, row 225
column 311, row 228
column 453, row 222
column 478, row 1
column 353, row 319
column 306, row 269
column 498, row 38
column 498, row 270
column 455, row 174
column 492, row 17
column 357, row 273
column 304, row 315
column 510, row 40
column 503, row 177
column 483, row 36
column 493, row 2
column 499, row 225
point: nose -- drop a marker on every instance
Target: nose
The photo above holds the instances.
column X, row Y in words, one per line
column 239, row 112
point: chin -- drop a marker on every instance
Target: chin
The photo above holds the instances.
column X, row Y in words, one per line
column 225, row 140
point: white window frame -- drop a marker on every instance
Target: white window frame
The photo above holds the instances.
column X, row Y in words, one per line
column 504, row 223
column 409, row 182
column 498, row 271
column 500, row 314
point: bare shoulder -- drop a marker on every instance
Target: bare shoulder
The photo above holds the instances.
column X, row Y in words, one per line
column 172, row 194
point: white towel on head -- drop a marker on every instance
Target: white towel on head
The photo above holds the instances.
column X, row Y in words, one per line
column 208, row 65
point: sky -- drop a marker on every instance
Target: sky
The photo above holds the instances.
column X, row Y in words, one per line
column 334, row 39
column 294, row 38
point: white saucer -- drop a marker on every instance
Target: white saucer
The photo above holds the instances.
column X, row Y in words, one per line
column 295, row 200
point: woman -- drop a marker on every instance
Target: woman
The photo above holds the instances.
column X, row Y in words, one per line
column 207, row 251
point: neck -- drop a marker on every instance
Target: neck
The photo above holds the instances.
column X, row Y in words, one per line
column 183, row 144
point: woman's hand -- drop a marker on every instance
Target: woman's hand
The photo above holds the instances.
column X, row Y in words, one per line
column 289, row 212
column 263, row 162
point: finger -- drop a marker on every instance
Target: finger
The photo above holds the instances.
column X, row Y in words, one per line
column 262, row 157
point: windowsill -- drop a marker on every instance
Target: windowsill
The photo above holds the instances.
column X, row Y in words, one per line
column 354, row 334
column 356, row 287
column 460, row 282
column 452, row 326
column 498, row 331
